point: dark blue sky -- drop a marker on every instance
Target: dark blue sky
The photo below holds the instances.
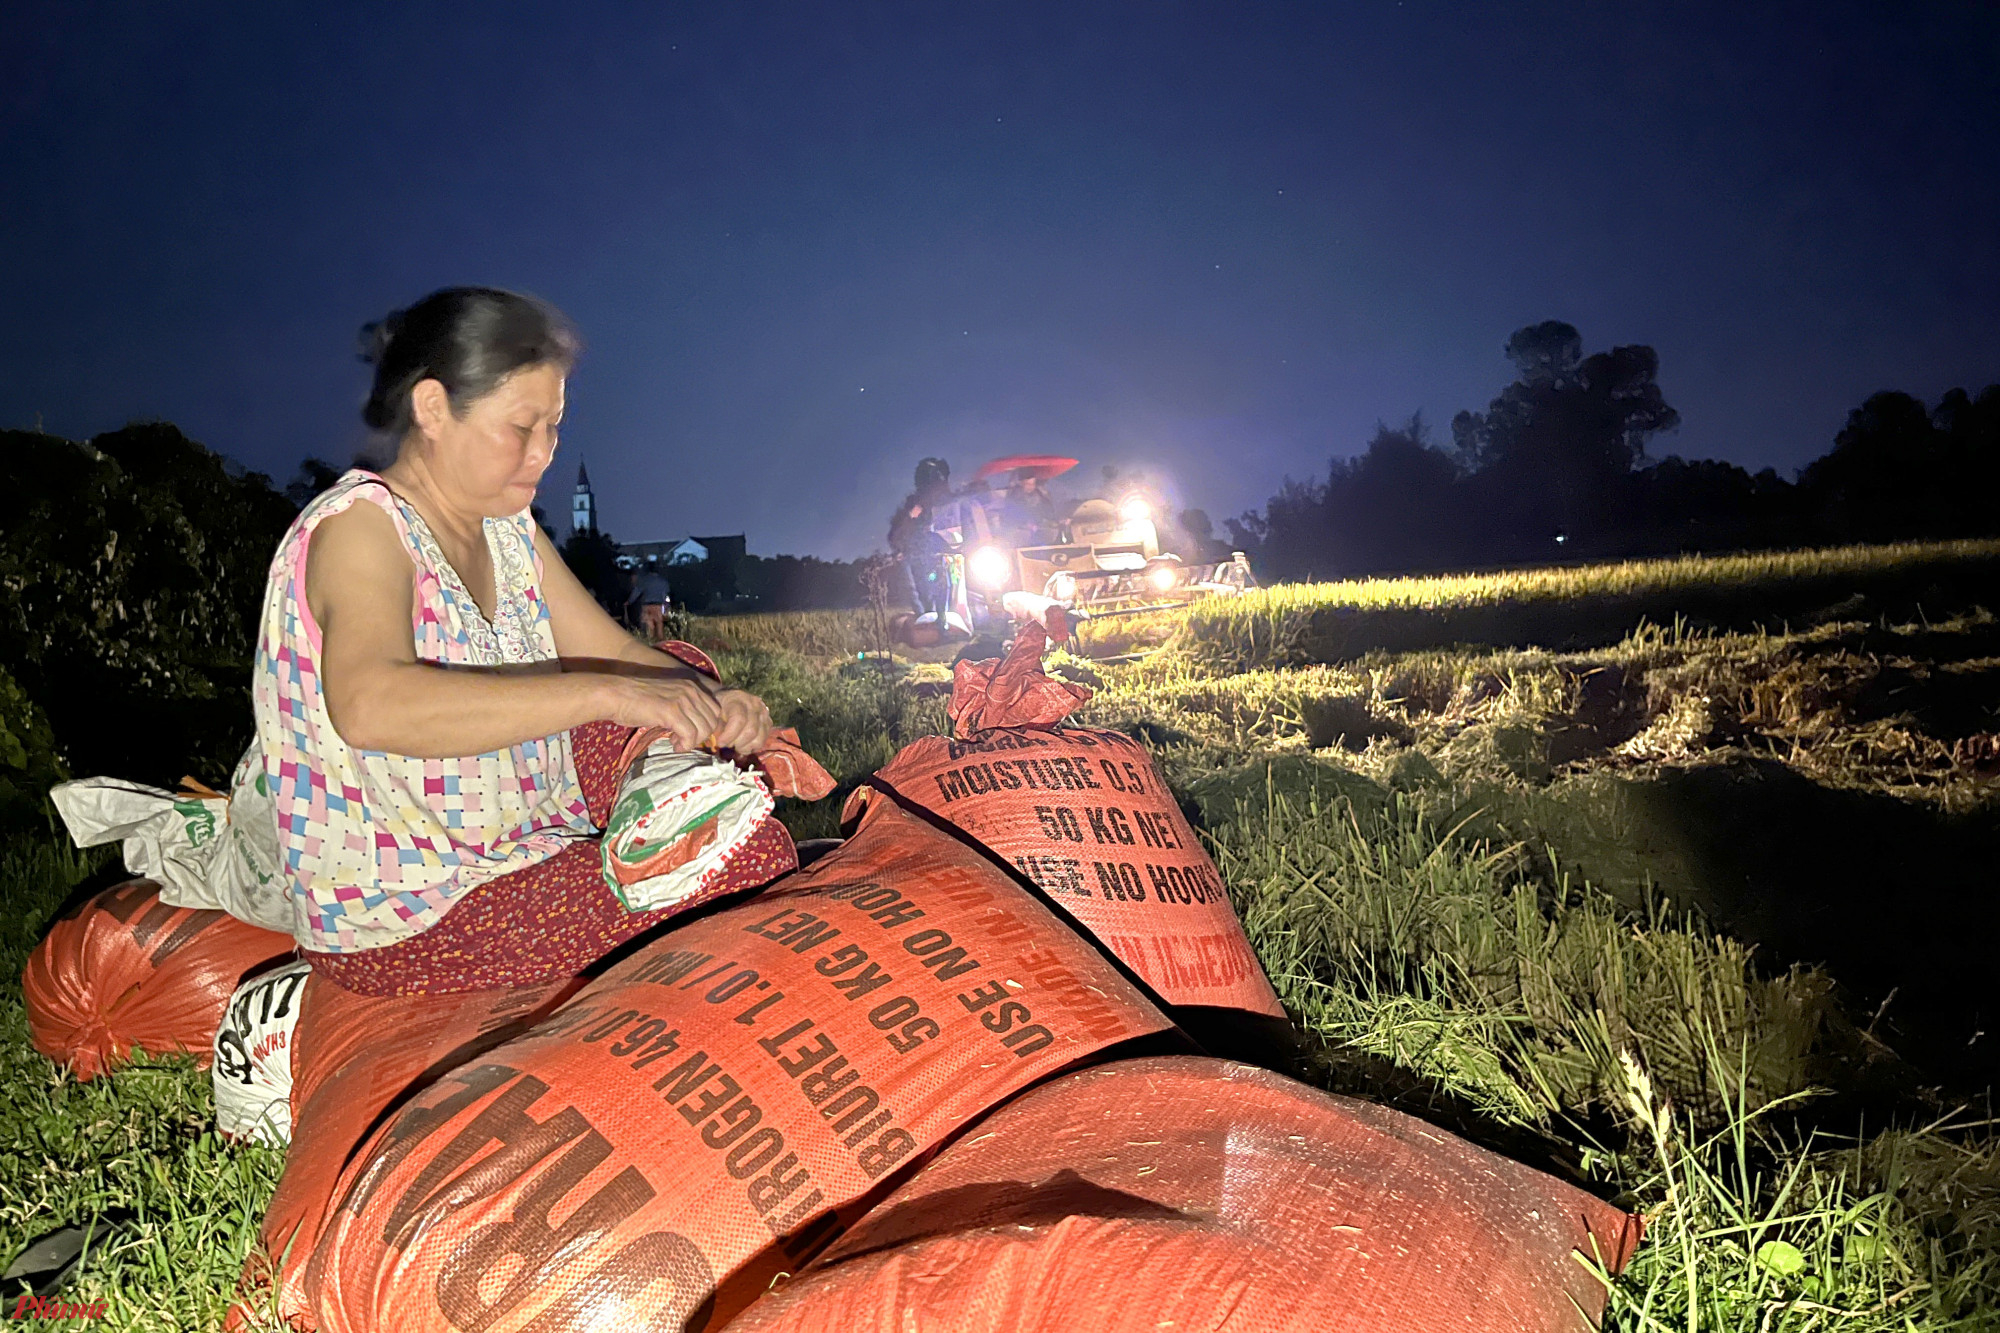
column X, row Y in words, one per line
column 807, row 244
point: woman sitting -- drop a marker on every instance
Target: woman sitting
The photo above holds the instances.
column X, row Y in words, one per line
column 440, row 704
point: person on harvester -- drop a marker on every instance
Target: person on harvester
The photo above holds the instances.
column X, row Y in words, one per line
column 1028, row 510
column 440, row 704
column 918, row 548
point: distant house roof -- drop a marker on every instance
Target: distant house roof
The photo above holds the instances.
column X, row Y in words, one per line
column 732, row 547
column 686, row 550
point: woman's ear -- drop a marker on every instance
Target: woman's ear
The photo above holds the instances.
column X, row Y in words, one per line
column 430, row 407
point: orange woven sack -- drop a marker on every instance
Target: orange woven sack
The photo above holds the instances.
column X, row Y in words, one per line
column 354, row 1057
column 124, row 971
column 1199, row 1195
column 1081, row 812
column 717, row 1105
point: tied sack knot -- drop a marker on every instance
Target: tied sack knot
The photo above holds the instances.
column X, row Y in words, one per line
column 1013, row 691
column 783, row 762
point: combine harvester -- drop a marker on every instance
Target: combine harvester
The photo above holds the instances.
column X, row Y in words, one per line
column 1108, row 557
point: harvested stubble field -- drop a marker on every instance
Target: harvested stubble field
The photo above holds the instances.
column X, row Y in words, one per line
column 1698, row 916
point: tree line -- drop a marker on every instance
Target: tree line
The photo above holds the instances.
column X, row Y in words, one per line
column 132, row 570
column 1557, row 468
column 132, row 566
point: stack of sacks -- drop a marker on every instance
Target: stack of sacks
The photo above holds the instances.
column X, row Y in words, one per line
column 1206, row 1197
column 1082, row 813
column 354, row 1059
column 717, row 1105
column 125, row 972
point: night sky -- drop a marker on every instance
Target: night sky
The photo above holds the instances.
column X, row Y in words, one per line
column 808, row 244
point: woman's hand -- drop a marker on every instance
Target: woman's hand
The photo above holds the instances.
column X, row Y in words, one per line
column 696, row 714
column 689, row 710
column 746, row 722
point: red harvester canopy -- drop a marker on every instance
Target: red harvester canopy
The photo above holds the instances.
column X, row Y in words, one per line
column 1041, row 466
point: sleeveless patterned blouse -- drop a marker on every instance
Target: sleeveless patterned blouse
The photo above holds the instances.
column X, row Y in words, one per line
column 379, row 846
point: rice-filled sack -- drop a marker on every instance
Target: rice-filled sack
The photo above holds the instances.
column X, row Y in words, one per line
column 124, row 971
column 1083, row 814
column 1203, row 1196
column 354, row 1058
column 252, row 1072
column 716, row 1106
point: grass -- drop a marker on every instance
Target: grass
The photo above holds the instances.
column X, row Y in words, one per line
column 1692, row 911
column 1473, row 981
column 1407, row 835
column 139, row 1147
column 843, row 634
column 1446, row 955
column 1650, row 1056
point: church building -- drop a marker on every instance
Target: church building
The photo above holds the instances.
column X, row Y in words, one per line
column 582, row 505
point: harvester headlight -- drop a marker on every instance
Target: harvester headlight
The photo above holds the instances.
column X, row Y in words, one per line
column 1063, row 586
column 989, row 567
column 1135, row 509
column 1162, row 578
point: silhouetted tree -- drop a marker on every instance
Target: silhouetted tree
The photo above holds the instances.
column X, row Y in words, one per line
column 1288, row 540
column 1900, row 470
column 314, row 475
column 1197, row 531
column 1398, row 502
column 800, row 583
column 1561, row 452
column 1680, row 504
column 1972, row 457
column 132, row 570
column 593, row 557
column 1552, row 454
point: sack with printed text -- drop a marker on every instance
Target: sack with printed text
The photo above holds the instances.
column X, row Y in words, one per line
column 351, row 1059
column 252, row 1072
column 719, row 1104
column 1083, row 814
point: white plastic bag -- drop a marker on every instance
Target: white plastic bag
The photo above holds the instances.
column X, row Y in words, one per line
column 167, row 838
column 246, row 875
column 678, row 818
column 205, row 851
column 253, row 1056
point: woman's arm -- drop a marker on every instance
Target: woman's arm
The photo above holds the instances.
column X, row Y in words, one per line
column 360, row 590
column 584, row 632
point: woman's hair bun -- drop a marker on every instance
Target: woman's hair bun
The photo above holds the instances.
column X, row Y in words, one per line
column 376, row 337
column 466, row 338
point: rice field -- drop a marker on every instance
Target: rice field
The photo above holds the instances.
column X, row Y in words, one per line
column 1299, row 624
column 843, row 634
column 1693, row 912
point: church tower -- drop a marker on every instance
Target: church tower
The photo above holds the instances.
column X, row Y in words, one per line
column 583, row 505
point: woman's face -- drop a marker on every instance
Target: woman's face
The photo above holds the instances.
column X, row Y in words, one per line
column 491, row 459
